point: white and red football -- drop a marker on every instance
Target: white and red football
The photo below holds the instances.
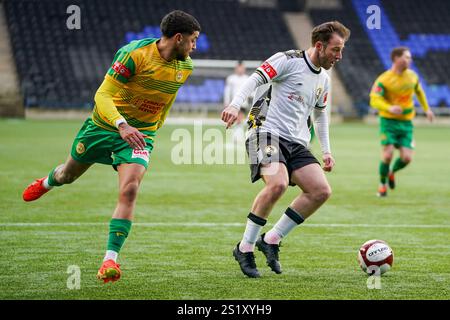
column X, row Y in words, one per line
column 375, row 257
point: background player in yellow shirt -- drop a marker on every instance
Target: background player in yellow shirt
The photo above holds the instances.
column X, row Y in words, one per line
column 130, row 105
column 392, row 95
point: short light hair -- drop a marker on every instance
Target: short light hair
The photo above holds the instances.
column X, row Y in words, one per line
column 324, row 31
column 398, row 52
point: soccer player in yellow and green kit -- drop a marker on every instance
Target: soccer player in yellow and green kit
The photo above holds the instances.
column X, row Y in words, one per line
column 130, row 106
column 392, row 95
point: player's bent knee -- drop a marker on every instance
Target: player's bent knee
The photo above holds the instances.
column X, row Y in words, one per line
column 129, row 192
column 322, row 194
column 387, row 158
column 277, row 189
column 406, row 159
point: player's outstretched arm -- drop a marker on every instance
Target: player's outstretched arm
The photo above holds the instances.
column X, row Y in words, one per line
column 230, row 113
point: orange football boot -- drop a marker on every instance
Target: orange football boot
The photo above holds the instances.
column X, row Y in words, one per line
column 382, row 190
column 109, row 271
column 391, row 180
column 35, row 190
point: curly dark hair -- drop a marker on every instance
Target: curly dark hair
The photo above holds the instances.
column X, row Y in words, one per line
column 178, row 21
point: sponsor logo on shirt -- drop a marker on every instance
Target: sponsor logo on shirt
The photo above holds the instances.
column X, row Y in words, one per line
column 325, row 98
column 295, row 97
column 404, row 99
column 121, row 69
column 141, row 154
column 147, row 105
column 270, row 71
column 378, row 89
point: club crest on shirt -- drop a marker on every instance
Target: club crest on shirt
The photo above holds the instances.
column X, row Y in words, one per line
column 318, row 93
column 80, row 148
column 179, row 76
column 270, row 150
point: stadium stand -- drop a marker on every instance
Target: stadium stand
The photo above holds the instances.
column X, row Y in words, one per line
column 360, row 64
column 59, row 67
column 62, row 68
column 425, row 29
column 421, row 44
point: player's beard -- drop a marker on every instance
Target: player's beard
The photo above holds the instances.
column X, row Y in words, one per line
column 181, row 53
column 324, row 62
column 181, row 57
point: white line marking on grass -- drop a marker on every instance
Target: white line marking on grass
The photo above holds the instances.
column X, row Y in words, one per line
column 221, row 224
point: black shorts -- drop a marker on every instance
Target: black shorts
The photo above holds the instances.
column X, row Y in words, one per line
column 265, row 148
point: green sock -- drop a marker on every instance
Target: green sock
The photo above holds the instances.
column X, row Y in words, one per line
column 118, row 232
column 399, row 164
column 51, row 180
column 384, row 171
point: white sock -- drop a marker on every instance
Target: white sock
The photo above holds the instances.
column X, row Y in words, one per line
column 46, row 185
column 252, row 230
column 111, row 255
column 283, row 226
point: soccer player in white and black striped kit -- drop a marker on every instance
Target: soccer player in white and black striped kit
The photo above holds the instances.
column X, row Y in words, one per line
column 279, row 136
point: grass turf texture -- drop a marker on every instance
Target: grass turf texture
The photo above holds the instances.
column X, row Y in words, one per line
column 184, row 260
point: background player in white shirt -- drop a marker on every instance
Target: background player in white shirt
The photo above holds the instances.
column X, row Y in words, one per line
column 234, row 82
column 279, row 136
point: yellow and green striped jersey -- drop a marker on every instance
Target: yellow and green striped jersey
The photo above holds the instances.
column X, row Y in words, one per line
column 391, row 88
column 149, row 85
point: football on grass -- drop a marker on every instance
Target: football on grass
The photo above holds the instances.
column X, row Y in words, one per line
column 375, row 257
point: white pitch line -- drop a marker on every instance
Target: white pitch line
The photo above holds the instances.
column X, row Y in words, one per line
column 221, row 224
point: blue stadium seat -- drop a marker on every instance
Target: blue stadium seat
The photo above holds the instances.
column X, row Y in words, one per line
column 426, row 43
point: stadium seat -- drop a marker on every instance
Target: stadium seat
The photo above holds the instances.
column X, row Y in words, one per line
column 57, row 54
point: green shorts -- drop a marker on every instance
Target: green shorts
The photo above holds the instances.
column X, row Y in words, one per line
column 397, row 132
column 97, row 145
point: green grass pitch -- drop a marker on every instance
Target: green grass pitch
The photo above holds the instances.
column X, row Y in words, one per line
column 189, row 218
